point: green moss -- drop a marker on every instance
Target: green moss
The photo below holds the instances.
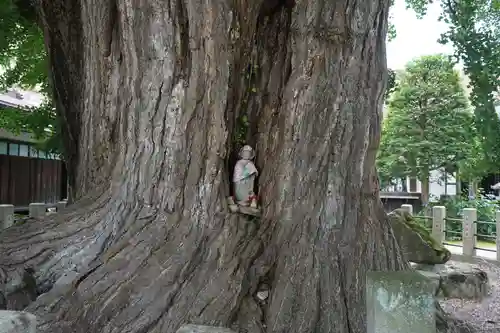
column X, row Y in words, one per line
column 411, row 223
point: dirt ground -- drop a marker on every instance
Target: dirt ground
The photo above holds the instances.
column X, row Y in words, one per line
column 485, row 314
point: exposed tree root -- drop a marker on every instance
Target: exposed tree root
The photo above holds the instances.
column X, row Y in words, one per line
column 168, row 268
column 167, row 272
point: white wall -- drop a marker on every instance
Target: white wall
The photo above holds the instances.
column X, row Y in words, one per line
column 437, row 185
column 21, row 98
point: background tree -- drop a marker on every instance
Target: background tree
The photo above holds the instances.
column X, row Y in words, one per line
column 475, row 34
column 150, row 94
column 429, row 125
column 475, row 167
column 391, row 83
column 24, row 63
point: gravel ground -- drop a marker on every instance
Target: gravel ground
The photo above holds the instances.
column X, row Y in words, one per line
column 483, row 315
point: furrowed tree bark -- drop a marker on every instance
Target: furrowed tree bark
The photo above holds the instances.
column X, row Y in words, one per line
column 152, row 94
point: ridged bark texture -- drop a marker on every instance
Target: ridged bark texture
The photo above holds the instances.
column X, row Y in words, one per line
column 156, row 96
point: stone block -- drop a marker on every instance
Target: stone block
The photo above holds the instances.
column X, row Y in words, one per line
column 17, row 322
column 415, row 241
column 457, row 280
column 399, row 302
column 37, row 210
column 434, row 279
column 61, row 205
column 407, row 208
column 203, row 329
column 6, row 216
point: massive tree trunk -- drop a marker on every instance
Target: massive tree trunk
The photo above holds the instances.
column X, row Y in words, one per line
column 153, row 94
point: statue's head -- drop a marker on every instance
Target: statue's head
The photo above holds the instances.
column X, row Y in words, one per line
column 247, row 153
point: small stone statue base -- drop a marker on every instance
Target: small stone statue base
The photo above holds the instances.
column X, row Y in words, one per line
column 246, row 210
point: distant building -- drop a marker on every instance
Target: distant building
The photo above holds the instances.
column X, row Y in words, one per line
column 440, row 183
column 26, row 173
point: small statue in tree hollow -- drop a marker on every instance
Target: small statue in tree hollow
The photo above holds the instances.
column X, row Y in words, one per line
column 244, row 176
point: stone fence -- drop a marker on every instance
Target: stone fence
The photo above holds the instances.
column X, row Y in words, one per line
column 468, row 233
column 36, row 210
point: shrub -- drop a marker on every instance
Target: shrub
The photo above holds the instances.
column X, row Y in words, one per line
column 486, row 209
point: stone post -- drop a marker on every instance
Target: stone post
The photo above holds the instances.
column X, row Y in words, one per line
column 6, row 216
column 497, row 219
column 61, row 205
column 469, row 232
column 37, row 210
column 407, row 208
column 438, row 223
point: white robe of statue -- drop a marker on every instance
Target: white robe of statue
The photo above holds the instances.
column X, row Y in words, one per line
column 244, row 176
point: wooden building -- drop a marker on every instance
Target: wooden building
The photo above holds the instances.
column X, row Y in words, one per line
column 27, row 174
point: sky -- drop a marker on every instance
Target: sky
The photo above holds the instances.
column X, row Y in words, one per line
column 415, row 37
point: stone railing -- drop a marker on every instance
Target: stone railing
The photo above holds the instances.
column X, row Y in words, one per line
column 468, row 235
column 36, row 210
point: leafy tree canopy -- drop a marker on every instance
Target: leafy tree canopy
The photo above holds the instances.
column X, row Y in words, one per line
column 475, row 33
column 429, row 125
column 23, row 63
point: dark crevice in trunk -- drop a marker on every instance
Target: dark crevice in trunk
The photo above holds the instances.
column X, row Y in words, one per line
column 110, row 28
column 249, row 92
column 185, row 52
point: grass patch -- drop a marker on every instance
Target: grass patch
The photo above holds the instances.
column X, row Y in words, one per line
column 482, row 244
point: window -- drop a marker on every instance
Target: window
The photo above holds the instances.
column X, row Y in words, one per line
column 3, row 148
column 33, row 152
column 413, row 184
column 13, row 149
column 23, row 150
column 41, row 154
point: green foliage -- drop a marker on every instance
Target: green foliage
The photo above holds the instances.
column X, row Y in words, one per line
column 475, row 34
column 429, row 125
column 22, row 52
column 391, row 29
column 23, row 63
column 42, row 122
column 485, row 212
column 241, row 131
column 391, row 83
column 476, row 165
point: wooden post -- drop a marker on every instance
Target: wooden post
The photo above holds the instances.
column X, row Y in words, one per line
column 407, row 208
column 469, row 232
column 438, row 223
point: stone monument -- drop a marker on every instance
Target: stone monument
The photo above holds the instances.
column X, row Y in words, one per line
column 399, row 302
